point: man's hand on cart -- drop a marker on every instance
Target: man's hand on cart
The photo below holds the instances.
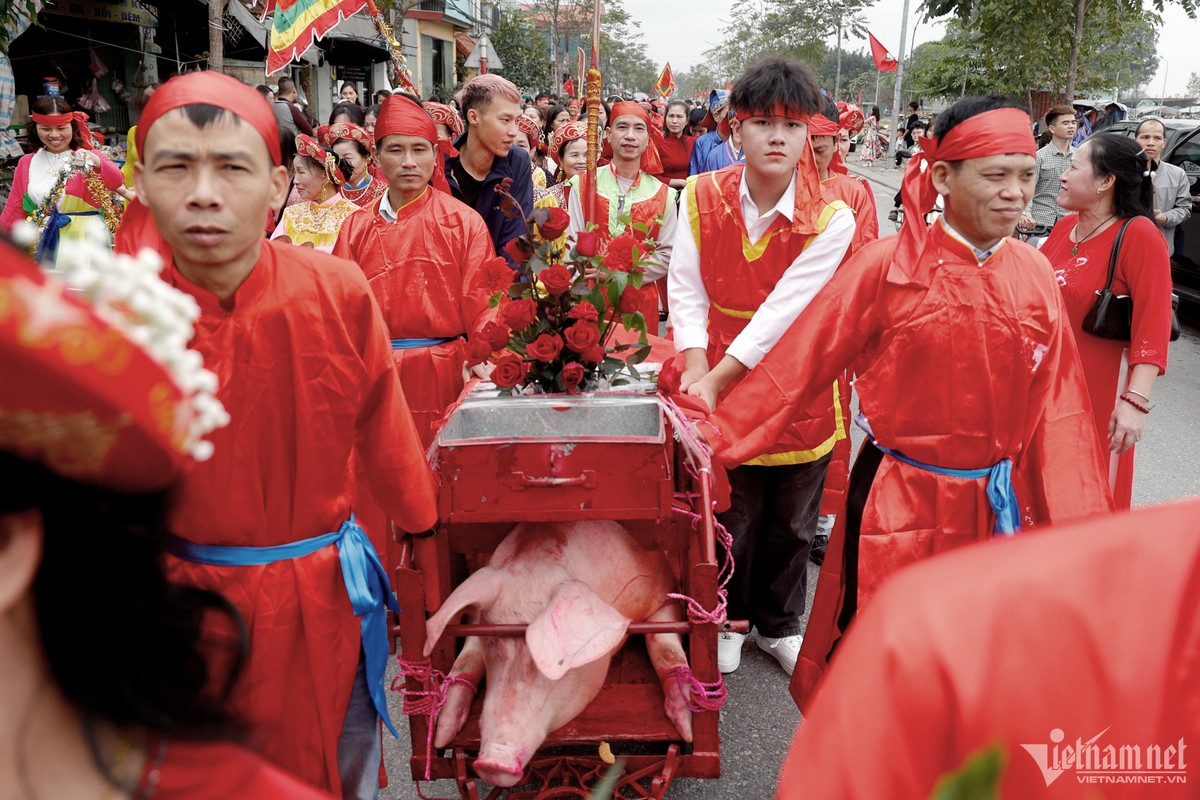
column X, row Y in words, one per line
column 483, row 370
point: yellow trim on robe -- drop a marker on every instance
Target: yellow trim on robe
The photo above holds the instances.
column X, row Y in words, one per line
column 807, row 456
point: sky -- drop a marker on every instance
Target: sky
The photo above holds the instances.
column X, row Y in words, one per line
column 680, row 31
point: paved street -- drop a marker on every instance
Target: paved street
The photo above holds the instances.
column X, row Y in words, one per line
column 760, row 717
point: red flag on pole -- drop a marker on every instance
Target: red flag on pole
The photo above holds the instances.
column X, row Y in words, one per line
column 665, row 85
column 884, row 62
column 569, row 88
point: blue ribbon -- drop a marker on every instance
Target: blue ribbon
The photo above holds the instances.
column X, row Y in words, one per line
column 47, row 245
column 366, row 581
column 413, row 344
column 1001, row 494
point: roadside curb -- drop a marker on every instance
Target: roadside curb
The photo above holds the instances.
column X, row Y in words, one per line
column 884, row 176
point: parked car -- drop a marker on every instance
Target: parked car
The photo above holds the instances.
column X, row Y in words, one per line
column 1183, row 150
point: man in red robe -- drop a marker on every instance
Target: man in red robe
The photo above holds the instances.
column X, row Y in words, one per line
column 1057, row 666
column 969, row 383
column 760, row 240
column 429, row 261
column 301, row 352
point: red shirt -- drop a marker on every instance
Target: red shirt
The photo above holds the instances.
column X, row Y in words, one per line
column 675, row 153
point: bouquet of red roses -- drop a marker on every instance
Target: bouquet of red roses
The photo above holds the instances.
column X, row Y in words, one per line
column 559, row 315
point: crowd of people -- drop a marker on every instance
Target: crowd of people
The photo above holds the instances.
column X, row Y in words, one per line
column 342, row 273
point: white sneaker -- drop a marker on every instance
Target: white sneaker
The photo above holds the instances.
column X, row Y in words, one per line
column 785, row 650
column 729, row 650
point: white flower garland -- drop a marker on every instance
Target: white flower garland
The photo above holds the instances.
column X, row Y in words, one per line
column 129, row 294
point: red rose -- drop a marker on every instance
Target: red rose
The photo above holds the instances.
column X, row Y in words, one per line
column 518, row 250
column 557, row 279
column 582, row 336
column 496, row 334
column 479, row 349
column 545, row 347
column 572, row 375
column 622, row 251
column 555, row 226
column 497, row 275
column 519, row 314
column 587, row 243
column 631, row 300
column 585, row 312
column 510, row 370
column 593, row 354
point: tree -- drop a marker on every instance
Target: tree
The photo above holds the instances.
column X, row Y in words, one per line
column 1024, row 39
column 1193, row 86
column 522, row 50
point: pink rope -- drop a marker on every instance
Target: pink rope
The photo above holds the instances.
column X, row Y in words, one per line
column 697, row 614
column 699, row 696
column 428, row 701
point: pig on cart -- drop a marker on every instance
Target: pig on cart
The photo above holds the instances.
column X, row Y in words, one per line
column 577, row 586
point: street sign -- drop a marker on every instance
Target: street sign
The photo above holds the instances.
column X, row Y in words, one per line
column 131, row 12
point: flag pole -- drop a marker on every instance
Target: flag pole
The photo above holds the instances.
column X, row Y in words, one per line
column 593, row 115
column 895, row 140
column 401, row 76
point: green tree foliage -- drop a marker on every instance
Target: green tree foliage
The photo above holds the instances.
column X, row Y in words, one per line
column 623, row 58
column 1193, row 85
column 1059, row 45
column 522, row 50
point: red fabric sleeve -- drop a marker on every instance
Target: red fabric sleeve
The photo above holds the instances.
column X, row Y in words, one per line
column 819, row 346
column 14, row 209
column 477, row 250
column 110, row 174
column 1144, row 273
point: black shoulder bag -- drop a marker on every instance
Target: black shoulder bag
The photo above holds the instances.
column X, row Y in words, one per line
column 1112, row 316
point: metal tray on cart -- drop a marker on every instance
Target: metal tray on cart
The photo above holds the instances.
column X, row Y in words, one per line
column 551, row 457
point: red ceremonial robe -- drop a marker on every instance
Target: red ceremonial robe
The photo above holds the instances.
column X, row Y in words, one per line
column 856, row 193
column 958, row 365
column 306, row 375
column 217, row 771
column 1091, row 630
column 425, row 272
column 1144, row 273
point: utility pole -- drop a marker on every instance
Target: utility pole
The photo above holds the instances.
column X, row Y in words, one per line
column 895, row 140
column 216, row 35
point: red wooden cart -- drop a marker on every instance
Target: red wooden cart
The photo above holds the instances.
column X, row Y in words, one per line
column 628, row 457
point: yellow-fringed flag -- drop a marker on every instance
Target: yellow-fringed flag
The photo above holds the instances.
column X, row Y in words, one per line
column 665, row 85
column 298, row 23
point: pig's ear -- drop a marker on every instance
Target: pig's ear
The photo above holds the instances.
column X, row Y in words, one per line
column 480, row 590
column 576, row 628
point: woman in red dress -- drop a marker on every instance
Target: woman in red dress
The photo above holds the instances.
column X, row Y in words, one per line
column 1109, row 185
column 675, row 149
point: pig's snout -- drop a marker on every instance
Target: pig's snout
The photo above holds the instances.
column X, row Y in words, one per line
column 500, row 765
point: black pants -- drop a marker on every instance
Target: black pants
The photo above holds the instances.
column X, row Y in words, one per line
column 862, row 476
column 773, row 518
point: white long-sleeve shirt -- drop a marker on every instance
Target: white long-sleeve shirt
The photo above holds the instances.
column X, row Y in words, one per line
column 657, row 267
column 795, row 289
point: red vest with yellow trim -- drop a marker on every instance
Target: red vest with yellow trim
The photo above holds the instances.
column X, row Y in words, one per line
column 738, row 276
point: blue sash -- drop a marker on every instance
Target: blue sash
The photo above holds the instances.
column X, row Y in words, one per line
column 413, row 344
column 1001, row 494
column 47, row 246
column 366, row 583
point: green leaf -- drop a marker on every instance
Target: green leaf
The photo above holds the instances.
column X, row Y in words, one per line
column 639, row 355
column 977, row 779
column 605, row 788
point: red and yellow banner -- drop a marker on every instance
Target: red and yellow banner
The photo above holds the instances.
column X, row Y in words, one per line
column 665, row 85
column 298, row 23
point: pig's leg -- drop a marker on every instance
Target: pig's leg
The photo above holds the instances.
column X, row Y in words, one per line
column 666, row 651
column 470, row 666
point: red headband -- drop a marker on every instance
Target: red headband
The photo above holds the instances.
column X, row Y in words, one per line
column 531, row 129
column 215, row 89
column 76, row 118
column 650, row 160
column 1002, row 131
column 821, row 125
column 778, row 110
column 399, row 116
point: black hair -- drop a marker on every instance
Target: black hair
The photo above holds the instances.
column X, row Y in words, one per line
column 775, row 81
column 284, row 85
column 263, row 89
column 695, row 117
column 373, row 111
column 1155, row 120
column 354, row 111
column 547, row 127
column 386, row 94
column 204, row 115
column 287, row 149
column 874, row 112
column 829, row 110
column 686, row 113
column 914, row 105
column 124, row 643
column 56, row 104
column 341, row 166
column 1124, row 159
column 969, row 107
